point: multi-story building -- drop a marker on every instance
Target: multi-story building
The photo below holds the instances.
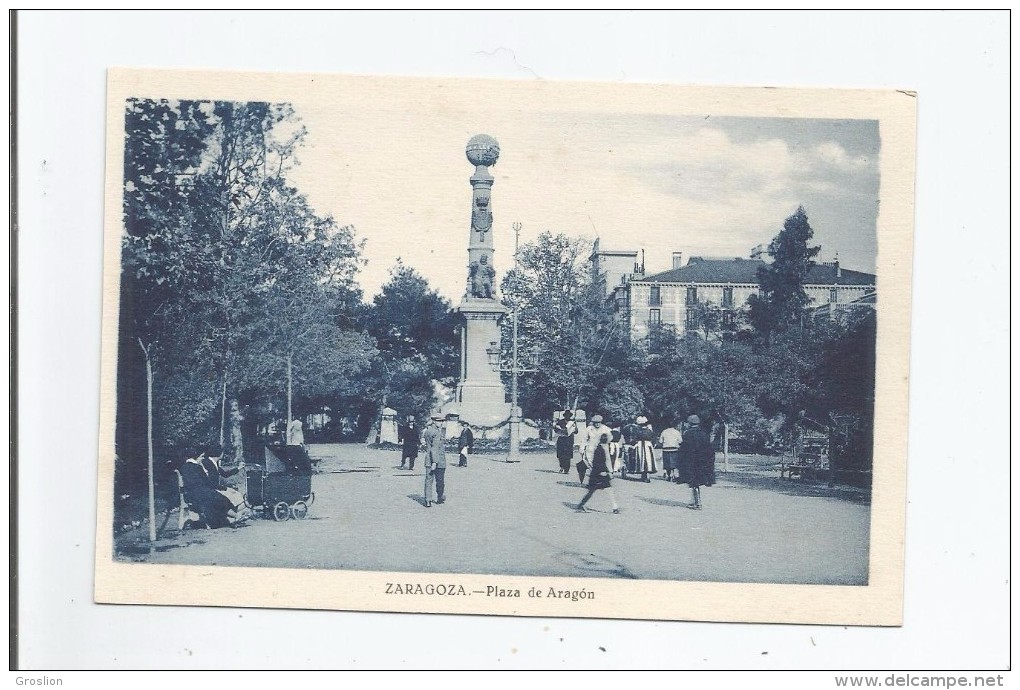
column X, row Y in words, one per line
column 615, row 269
column 681, row 296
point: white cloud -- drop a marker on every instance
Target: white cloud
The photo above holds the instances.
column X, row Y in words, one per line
column 400, row 176
column 832, row 153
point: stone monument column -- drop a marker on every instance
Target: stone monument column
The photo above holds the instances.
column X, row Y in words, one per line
column 481, row 397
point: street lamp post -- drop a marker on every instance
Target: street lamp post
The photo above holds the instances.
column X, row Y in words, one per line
column 515, row 410
column 515, row 369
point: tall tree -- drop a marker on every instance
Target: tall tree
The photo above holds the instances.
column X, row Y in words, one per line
column 566, row 331
column 715, row 380
column 844, row 380
column 302, row 349
column 415, row 329
column 223, row 263
column 253, row 220
column 781, row 296
column 164, row 145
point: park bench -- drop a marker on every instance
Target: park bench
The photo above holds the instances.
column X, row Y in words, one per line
column 798, row 469
column 791, row 467
column 184, row 508
column 807, row 460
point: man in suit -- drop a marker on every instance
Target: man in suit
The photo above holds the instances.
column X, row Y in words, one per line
column 595, row 433
column 410, row 437
column 465, row 444
column 434, row 438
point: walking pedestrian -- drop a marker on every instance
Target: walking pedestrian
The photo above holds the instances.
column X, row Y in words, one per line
column 595, row 433
column 697, row 460
column 465, row 444
column 581, row 441
column 295, row 433
column 670, row 440
column 629, row 436
column 645, row 438
column 615, row 450
column 600, row 478
column 410, row 438
column 565, row 429
column 297, row 454
column 434, row 438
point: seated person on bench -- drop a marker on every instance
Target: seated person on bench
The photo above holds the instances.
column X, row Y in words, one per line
column 201, row 476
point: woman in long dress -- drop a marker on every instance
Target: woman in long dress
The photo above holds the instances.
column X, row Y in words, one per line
column 615, row 444
column 644, row 447
column 697, row 460
column 201, row 476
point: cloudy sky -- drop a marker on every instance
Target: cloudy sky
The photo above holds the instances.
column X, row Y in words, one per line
column 705, row 185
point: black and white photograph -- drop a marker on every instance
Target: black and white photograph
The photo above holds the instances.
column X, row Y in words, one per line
column 395, row 326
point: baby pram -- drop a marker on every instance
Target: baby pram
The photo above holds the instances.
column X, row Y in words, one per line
column 282, row 487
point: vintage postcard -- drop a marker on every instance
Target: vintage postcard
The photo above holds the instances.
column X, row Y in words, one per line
column 505, row 347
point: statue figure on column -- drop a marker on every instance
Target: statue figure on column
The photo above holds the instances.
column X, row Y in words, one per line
column 482, row 277
column 481, row 216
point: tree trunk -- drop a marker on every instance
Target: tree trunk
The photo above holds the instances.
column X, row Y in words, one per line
column 236, row 435
column 726, row 446
column 223, row 411
column 148, row 438
column 290, row 388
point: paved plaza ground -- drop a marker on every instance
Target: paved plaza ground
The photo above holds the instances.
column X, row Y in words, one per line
column 519, row 519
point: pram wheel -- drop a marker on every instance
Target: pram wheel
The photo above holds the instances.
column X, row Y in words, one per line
column 299, row 511
column 281, row 511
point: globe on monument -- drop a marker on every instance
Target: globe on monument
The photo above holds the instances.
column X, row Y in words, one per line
column 482, row 149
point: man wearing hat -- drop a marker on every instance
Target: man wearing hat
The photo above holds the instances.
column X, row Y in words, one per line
column 697, row 460
column 410, row 437
column 434, row 438
column 465, row 443
column 565, row 429
column 595, row 432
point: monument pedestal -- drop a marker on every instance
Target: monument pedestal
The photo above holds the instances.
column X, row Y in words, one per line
column 481, row 397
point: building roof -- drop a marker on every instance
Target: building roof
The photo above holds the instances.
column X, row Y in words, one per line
column 614, row 252
column 745, row 271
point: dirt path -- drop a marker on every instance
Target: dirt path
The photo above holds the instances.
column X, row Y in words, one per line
column 519, row 519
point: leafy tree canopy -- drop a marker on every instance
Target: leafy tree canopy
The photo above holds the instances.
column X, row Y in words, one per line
column 781, row 298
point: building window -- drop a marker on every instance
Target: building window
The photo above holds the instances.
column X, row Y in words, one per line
column 833, row 295
column 654, row 317
column 727, row 297
column 727, row 319
column 692, row 319
column 692, row 295
column 654, row 296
